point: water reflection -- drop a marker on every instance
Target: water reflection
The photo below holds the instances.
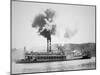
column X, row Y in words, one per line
column 54, row 66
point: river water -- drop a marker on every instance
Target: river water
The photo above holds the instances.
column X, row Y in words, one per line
column 54, row 66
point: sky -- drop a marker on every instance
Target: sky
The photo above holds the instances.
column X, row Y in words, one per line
column 79, row 20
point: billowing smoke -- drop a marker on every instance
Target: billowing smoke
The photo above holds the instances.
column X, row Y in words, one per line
column 70, row 33
column 44, row 23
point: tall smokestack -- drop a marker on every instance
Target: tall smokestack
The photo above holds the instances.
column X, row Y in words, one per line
column 43, row 22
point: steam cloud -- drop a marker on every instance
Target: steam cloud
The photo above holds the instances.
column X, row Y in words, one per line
column 70, row 33
column 39, row 22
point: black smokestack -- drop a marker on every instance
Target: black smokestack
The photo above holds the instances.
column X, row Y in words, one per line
column 44, row 25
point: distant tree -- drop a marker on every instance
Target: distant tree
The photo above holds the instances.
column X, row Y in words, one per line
column 86, row 53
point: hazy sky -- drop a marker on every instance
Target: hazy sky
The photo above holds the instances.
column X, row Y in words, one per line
column 68, row 17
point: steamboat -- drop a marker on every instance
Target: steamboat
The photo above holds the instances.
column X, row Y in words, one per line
column 35, row 57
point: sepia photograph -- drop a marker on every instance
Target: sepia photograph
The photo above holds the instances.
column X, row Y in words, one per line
column 52, row 37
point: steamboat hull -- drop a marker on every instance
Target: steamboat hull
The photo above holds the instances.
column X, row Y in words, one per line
column 42, row 58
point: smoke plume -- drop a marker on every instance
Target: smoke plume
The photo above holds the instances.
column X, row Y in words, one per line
column 39, row 22
column 70, row 33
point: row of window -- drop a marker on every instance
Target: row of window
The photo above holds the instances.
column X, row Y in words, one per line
column 51, row 57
